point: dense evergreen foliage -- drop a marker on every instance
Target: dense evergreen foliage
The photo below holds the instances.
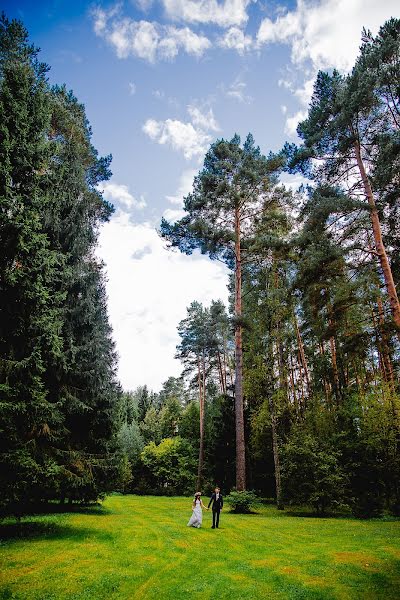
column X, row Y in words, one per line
column 59, row 395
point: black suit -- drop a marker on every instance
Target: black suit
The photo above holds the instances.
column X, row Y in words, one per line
column 217, row 504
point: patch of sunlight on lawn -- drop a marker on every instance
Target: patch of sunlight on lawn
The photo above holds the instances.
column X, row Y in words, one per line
column 140, row 548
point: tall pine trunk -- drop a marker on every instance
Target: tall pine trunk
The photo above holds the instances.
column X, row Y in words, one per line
column 239, row 413
column 379, row 245
column 201, row 381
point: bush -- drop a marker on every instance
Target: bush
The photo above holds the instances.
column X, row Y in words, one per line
column 242, row 502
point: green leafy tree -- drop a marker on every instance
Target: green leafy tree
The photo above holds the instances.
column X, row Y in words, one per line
column 170, row 465
column 312, row 473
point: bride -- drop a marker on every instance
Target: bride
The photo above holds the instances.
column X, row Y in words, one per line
column 197, row 515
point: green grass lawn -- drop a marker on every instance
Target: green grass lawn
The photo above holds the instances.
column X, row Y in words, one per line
column 139, row 547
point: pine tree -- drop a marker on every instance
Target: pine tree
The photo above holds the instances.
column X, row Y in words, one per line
column 227, row 196
column 340, row 133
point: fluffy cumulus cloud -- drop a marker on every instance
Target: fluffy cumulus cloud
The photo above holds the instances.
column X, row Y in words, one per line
column 180, row 136
column 224, row 14
column 326, row 32
column 203, row 119
column 191, row 138
column 236, row 39
column 149, row 288
column 322, row 34
column 147, row 40
column 120, row 195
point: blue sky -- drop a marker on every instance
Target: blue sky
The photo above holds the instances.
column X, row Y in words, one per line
column 160, row 81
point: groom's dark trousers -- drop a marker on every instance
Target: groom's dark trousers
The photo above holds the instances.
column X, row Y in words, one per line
column 217, row 504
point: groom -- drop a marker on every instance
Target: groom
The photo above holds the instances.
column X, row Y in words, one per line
column 217, row 502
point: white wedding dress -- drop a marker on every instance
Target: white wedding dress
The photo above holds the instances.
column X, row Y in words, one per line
column 197, row 516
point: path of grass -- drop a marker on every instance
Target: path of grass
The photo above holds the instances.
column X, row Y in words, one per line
column 140, row 548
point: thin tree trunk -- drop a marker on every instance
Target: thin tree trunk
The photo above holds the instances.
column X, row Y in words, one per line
column 275, row 450
column 201, row 382
column 302, row 354
column 220, row 371
column 239, row 413
column 326, row 383
column 389, row 374
column 335, row 369
column 293, row 385
column 225, row 366
column 379, row 245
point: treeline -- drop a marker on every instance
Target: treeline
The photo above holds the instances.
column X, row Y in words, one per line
column 315, row 314
column 159, row 438
column 59, row 398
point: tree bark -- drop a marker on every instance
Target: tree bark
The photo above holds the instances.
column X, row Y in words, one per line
column 379, row 245
column 386, row 359
column 302, row 354
column 275, row 450
column 239, row 412
column 220, row 373
column 335, row 370
column 201, row 381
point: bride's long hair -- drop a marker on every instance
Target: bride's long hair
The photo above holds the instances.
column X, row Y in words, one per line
column 197, row 496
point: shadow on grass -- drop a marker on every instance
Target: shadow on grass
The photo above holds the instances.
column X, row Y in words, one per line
column 53, row 508
column 52, row 526
column 48, row 529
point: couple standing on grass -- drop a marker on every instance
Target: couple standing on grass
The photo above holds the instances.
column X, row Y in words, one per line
column 217, row 502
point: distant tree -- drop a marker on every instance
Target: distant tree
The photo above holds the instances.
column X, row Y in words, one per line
column 150, row 427
column 171, row 465
column 169, row 417
column 173, row 387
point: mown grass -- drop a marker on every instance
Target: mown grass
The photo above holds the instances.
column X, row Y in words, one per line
column 140, row 548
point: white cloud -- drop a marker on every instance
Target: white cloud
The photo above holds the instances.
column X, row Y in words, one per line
column 293, row 121
column 322, row 34
column 225, row 14
column 326, row 33
column 304, row 92
column 180, row 136
column 293, row 181
column 173, row 214
column 149, row 288
column 184, row 187
column 190, row 138
column 150, row 41
column 119, row 194
column 237, row 90
column 204, row 120
column 185, row 39
column 143, row 5
column 236, row 39
column 132, row 88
